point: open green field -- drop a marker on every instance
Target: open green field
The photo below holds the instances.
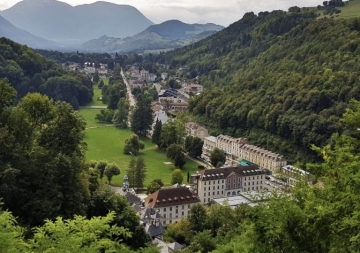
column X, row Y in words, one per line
column 350, row 10
column 89, row 116
column 97, row 94
column 107, row 143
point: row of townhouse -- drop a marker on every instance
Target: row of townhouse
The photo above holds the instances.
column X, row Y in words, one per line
column 237, row 149
column 227, row 182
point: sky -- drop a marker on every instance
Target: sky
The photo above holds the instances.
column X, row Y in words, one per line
column 223, row 12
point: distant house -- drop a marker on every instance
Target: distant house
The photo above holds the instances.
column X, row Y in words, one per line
column 152, row 77
column 138, row 83
column 167, row 247
column 194, row 88
column 164, row 76
column 195, row 130
column 295, row 175
column 174, row 106
column 173, row 203
column 145, row 75
column 152, row 222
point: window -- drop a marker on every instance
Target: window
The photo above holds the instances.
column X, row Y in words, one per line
column 209, row 188
column 176, row 211
column 165, row 215
column 257, row 177
column 253, row 182
column 222, row 187
column 260, row 187
column 182, row 207
column 244, row 184
column 256, row 188
column 170, row 221
column 170, row 215
column 218, row 187
column 252, row 188
column 218, row 181
column 204, row 183
column 253, row 177
column 176, row 207
column 222, row 192
column 218, row 193
column 261, row 182
column 164, row 209
column 189, row 206
column 213, row 187
column 204, row 188
column 209, row 182
column 205, row 194
column 222, row 181
column 182, row 213
column 164, row 222
column 171, row 208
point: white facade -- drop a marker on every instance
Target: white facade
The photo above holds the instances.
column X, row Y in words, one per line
column 173, row 203
column 230, row 181
column 164, row 76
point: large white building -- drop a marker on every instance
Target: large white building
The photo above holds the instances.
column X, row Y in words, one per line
column 225, row 182
column 236, row 149
column 173, row 203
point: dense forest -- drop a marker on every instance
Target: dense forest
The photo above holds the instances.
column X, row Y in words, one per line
column 30, row 72
column 45, row 182
column 314, row 218
column 281, row 79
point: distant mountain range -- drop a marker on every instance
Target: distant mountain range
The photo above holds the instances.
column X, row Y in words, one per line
column 63, row 23
column 167, row 35
column 10, row 31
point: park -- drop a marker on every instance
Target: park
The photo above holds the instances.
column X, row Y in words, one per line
column 106, row 142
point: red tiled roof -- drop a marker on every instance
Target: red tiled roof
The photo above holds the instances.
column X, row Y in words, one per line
column 171, row 197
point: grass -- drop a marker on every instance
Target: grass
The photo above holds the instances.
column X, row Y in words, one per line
column 89, row 116
column 107, row 143
column 350, row 10
column 97, row 94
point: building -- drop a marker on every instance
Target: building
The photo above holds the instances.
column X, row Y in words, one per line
column 251, row 198
column 173, row 203
column 208, row 147
column 152, row 77
column 262, row 157
column 226, row 182
column 294, row 175
column 236, row 149
column 174, row 106
column 195, row 130
column 194, row 88
column 152, row 222
column 145, row 75
column 164, row 76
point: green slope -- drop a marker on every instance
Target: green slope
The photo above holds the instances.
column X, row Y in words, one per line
column 350, row 10
column 282, row 80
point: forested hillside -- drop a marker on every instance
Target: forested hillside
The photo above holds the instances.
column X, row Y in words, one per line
column 30, row 72
column 280, row 79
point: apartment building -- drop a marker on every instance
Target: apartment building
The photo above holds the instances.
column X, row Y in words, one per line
column 295, row 175
column 237, row 149
column 229, row 181
column 145, row 75
column 173, row 203
column 195, row 130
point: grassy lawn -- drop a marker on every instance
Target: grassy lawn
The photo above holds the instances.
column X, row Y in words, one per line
column 89, row 116
column 107, row 143
column 350, row 10
column 97, row 93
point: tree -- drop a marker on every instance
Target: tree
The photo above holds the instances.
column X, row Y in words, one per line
column 217, row 156
column 194, row 145
column 142, row 117
column 111, row 170
column 156, row 136
column 133, row 145
column 168, row 134
column 79, row 234
column 159, row 182
column 101, row 84
column 131, row 172
column 153, row 187
column 197, row 218
column 121, row 114
column 96, row 77
column 176, row 153
column 188, row 177
column 176, row 177
column 140, row 172
column 179, row 232
column 100, row 166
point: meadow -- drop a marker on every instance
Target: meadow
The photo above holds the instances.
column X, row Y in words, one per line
column 107, row 143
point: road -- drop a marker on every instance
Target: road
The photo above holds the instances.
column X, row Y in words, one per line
column 128, row 88
column 93, row 107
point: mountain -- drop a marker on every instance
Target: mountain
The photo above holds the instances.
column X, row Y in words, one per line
column 283, row 80
column 167, row 35
column 63, row 23
column 10, row 31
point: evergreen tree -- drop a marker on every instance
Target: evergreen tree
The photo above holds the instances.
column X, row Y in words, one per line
column 156, row 136
column 96, row 77
column 140, row 172
column 142, row 117
column 131, row 172
column 121, row 114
